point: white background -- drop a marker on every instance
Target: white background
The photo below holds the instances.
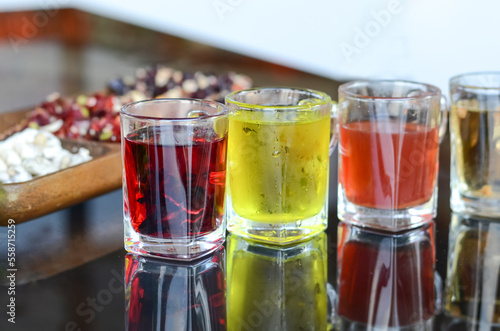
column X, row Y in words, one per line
column 422, row 40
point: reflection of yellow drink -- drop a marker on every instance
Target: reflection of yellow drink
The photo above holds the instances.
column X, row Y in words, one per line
column 276, row 289
column 278, row 166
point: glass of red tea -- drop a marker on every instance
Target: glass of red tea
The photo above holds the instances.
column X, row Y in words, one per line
column 174, row 169
column 389, row 135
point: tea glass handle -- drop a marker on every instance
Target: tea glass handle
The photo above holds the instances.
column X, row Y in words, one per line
column 334, row 126
column 444, row 118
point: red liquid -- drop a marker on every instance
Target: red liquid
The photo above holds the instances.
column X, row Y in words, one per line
column 386, row 283
column 174, row 191
column 388, row 165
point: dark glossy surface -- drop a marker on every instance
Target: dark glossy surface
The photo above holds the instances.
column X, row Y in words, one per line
column 71, row 263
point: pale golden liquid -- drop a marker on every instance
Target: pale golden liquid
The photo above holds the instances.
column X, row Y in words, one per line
column 477, row 149
column 278, row 171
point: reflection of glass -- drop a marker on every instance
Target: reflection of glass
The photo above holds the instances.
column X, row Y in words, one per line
column 175, row 296
column 472, row 285
column 271, row 288
column 386, row 280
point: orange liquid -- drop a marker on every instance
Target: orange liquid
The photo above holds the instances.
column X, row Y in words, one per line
column 388, row 164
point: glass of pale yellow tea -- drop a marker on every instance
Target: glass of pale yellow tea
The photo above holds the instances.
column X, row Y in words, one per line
column 475, row 143
column 279, row 142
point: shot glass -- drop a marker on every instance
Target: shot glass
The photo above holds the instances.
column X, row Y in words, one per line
column 276, row 287
column 388, row 152
column 473, row 281
column 278, row 163
column 174, row 166
column 386, row 281
column 172, row 295
column 475, row 143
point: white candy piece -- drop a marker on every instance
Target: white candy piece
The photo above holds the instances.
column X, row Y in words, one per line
column 65, row 162
column 40, row 140
column 18, row 174
column 25, row 136
column 82, row 156
column 54, row 126
column 11, row 158
column 51, row 139
column 39, row 166
column 63, row 159
column 3, row 166
column 51, row 151
column 26, row 151
column 32, row 153
column 4, row 146
column 4, row 177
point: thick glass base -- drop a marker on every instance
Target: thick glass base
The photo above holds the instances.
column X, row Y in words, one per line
column 183, row 249
column 392, row 220
column 277, row 233
column 461, row 203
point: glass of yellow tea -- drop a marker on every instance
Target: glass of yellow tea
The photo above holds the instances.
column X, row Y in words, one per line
column 278, row 163
column 475, row 143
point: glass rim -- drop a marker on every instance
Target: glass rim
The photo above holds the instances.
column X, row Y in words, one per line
column 433, row 91
column 455, row 80
column 215, row 104
column 324, row 99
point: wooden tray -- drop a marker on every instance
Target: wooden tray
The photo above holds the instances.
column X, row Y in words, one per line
column 52, row 192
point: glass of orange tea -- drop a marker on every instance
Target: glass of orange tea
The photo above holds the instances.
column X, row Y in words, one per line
column 389, row 134
column 278, row 163
column 475, row 143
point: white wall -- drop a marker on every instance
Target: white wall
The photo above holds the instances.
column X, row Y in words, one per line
column 420, row 40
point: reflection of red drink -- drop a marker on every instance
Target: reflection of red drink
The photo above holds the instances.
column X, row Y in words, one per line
column 177, row 190
column 386, row 281
column 162, row 296
column 387, row 164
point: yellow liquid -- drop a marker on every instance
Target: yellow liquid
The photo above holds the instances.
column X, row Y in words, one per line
column 278, row 170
